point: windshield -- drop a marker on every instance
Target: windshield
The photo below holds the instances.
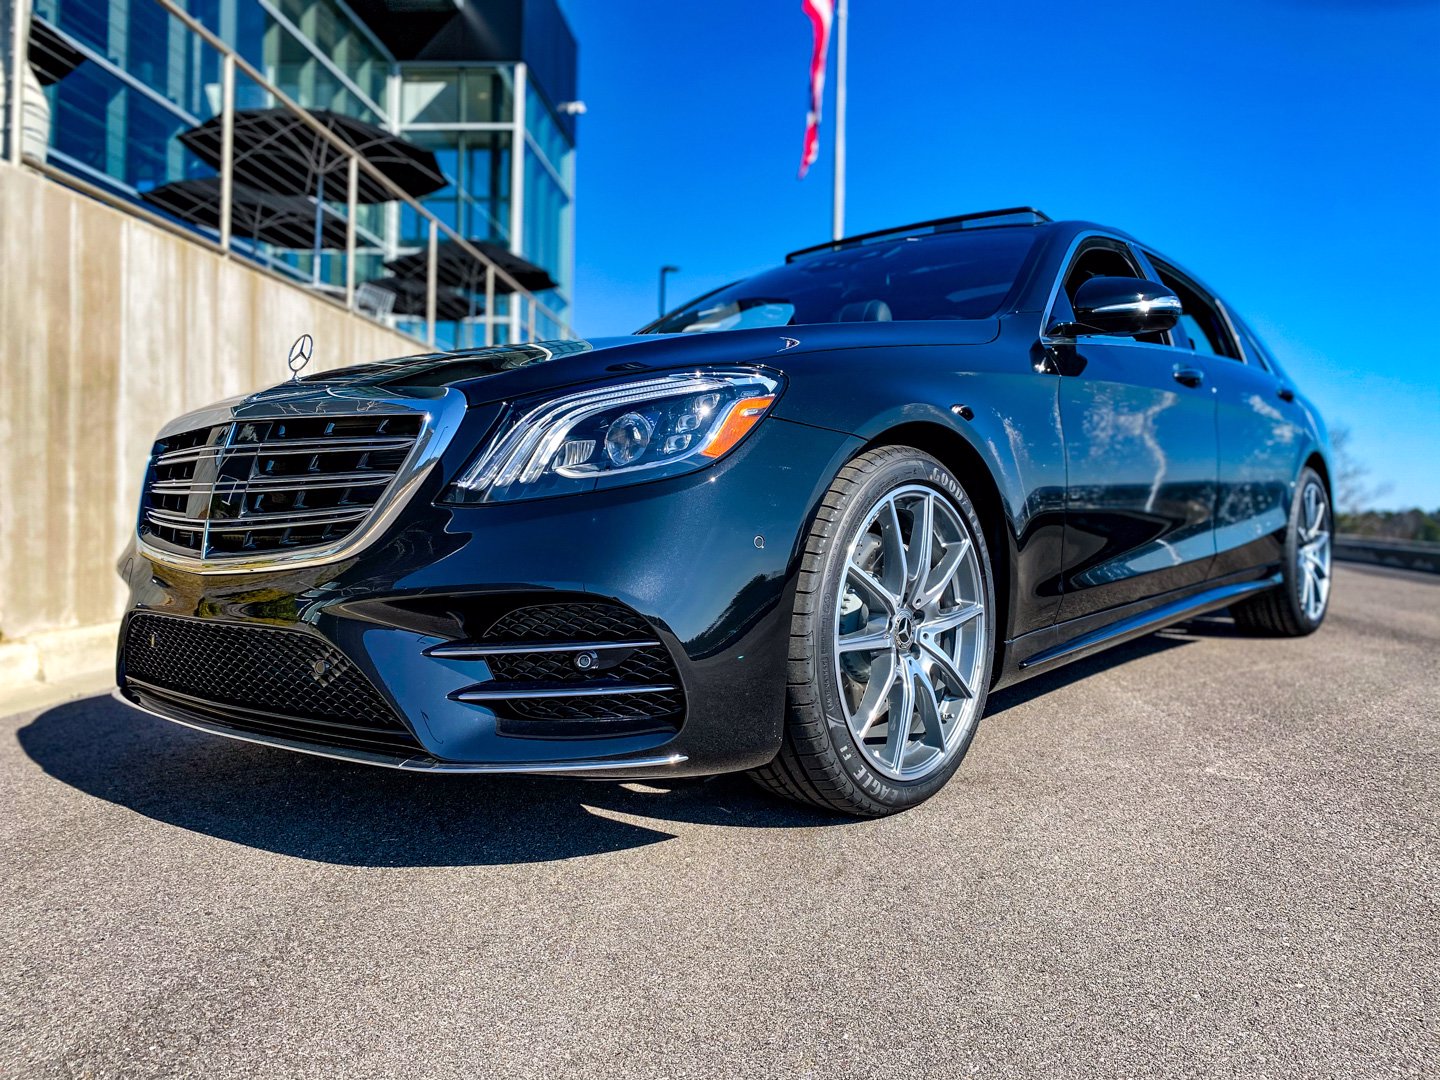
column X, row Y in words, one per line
column 955, row 275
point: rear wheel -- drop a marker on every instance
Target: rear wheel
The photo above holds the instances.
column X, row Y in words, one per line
column 1297, row 607
column 891, row 637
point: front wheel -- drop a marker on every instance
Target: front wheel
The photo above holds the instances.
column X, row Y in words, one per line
column 890, row 640
column 1297, row 607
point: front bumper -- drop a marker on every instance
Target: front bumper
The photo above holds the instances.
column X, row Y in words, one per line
column 707, row 561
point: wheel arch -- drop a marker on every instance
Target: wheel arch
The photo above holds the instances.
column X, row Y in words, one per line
column 1317, row 461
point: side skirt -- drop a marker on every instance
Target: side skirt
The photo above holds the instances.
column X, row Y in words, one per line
column 1055, row 646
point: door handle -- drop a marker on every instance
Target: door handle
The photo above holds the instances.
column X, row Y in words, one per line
column 1286, row 394
column 1189, row 376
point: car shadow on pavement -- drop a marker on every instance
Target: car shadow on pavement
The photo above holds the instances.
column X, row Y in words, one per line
column 358, row 815
column 337, row 812
column 1207, row 626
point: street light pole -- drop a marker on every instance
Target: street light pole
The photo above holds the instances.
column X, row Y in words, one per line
column 664, row 270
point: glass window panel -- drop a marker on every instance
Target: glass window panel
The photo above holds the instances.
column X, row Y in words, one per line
column 553, row 144
column 321, row 24
column 286, row 59
column 86, row 22
column 547, row 221
column 251, row 21
column 486, row 96
column 432, row 97
column 333, row 35
column 81, row 104
column 143, row 40
column 412, row 226
column 294, row 10
column 476, row 201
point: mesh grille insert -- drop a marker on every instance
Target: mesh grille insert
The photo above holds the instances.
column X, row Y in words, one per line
column 569, row 622
column 300, row 685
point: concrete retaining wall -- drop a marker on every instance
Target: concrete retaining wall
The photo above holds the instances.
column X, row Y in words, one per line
column 109, row 326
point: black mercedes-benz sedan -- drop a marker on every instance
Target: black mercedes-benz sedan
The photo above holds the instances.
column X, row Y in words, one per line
column 915, row 466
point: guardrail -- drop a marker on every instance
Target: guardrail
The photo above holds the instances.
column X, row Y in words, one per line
column 524, row 309
column 1401, row 554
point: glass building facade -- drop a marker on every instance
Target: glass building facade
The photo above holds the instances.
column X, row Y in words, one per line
column 147, row 78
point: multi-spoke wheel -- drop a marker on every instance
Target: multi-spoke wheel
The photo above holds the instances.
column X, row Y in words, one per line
column 890, row 639
column 1314, row 549
column 1298, row 606
column 909, row 640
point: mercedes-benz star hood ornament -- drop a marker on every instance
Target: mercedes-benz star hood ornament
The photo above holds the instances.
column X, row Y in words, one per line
column 300, row 354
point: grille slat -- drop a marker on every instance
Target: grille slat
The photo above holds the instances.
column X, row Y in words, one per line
column 656, row 709
column 531, row 653
column 255, row 487
column 361, row 478
column 261, row 678
column 465, row 651
column 530, row 691
column 294, row 446
column 272, row 521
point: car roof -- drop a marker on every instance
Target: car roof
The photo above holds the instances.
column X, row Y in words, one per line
column 1014, row 217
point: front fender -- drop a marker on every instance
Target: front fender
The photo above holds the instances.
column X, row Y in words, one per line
column 990, row 415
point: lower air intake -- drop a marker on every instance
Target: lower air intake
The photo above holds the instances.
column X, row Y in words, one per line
column 260, row 679
column 572, row 668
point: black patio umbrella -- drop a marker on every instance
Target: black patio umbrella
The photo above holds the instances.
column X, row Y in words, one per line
column 456, row 266
column 51, row 55
column 276, row 151
column 283, row 220
column 451, row 305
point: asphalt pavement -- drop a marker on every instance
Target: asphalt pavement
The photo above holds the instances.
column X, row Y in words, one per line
column 1199, row 855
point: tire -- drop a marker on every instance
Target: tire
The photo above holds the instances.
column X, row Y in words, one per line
column 1298, row 605
column 926, row 622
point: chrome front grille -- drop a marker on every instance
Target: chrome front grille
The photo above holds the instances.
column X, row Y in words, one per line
column 258, row 487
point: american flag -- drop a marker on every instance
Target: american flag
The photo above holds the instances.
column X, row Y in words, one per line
column 821, row 14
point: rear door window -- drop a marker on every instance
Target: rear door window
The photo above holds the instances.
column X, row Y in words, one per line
column 1255, row 350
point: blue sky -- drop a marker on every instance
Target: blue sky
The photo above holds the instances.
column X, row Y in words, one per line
column 1287, row 151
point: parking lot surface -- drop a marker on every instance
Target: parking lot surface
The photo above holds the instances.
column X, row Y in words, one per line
column 1198, row 855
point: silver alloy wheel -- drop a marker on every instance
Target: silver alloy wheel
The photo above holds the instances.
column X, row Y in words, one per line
column 910, row 633
column 1314, row 552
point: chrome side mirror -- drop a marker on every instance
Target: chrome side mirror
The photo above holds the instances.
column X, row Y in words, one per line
column 1122, row 306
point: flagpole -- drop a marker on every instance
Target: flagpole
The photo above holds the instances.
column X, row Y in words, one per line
column 841, row 18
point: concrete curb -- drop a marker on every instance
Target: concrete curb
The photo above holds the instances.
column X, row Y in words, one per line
column 56, row 656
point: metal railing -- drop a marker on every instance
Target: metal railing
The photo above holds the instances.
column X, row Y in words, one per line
column 524, row 311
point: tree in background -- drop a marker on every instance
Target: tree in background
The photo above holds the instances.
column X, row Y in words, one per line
column 1355, row 497
column 1353, row 493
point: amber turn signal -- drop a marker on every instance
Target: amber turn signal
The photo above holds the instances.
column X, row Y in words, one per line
column 744, row 415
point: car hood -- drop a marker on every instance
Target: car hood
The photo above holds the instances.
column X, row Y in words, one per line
column 507, row 372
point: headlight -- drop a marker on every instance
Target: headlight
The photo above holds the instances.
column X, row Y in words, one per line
column 618, row 434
